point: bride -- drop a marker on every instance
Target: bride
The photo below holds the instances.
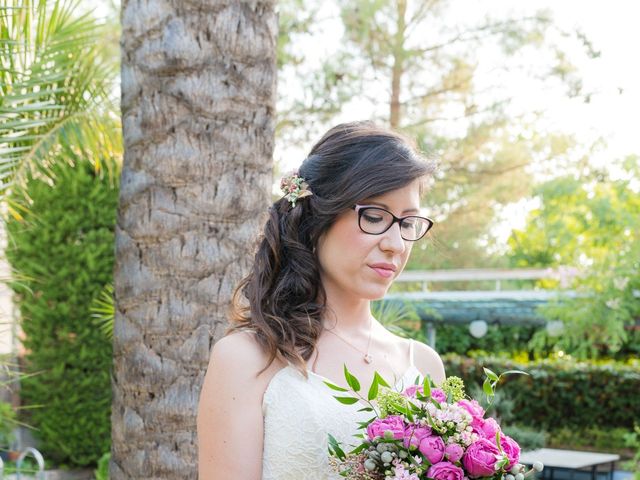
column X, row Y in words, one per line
column 335, row 241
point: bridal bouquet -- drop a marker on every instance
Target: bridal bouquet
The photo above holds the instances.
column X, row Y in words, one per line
column 426, row 432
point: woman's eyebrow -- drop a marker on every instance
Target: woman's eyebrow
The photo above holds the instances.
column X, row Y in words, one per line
column 380, row 204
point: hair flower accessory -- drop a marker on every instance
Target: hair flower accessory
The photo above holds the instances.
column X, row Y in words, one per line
column 294, row 187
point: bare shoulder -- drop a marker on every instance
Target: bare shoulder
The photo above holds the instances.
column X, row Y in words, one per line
column 230, row 405
column 232, row 377
column 241, row 355
column 237, row 346
column 428, row 362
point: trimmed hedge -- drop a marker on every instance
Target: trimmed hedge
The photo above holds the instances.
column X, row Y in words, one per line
column 508, row 339
column 561, row 393
column 65, row 248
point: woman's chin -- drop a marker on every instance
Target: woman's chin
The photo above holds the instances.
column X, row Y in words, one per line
column 376, row 293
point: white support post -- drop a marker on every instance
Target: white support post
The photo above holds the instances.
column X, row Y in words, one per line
column 430, row 330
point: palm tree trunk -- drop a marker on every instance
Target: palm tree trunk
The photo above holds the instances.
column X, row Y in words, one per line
column 198, row 96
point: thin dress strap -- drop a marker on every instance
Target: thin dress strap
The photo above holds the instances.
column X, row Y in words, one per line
column 411, row 352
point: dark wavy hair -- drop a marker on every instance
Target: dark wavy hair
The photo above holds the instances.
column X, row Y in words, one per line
column 284, row 299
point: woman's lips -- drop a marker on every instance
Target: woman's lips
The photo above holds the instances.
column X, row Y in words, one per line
column 383, row 272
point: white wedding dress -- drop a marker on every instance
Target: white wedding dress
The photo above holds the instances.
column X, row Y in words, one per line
column 298, row 415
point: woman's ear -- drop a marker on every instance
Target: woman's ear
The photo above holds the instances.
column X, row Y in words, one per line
column 319, row 242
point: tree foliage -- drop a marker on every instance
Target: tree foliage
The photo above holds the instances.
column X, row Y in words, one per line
column 591, row 223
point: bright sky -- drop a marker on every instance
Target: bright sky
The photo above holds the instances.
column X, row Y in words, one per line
column 615, row 76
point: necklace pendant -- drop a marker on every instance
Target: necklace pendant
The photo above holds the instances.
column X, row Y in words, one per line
column 367, row 358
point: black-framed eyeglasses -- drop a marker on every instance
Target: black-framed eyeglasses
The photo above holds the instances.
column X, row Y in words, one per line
column 376, row 220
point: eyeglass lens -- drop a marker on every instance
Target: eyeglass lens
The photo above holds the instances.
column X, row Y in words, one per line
column 375, row 221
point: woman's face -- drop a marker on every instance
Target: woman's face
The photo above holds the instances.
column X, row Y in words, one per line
column 361, row 265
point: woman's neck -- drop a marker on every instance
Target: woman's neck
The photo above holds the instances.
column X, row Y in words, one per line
column 347, row 315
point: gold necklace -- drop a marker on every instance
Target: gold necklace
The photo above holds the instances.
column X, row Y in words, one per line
column 367, row 357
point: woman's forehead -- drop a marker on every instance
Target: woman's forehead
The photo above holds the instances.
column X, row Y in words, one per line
column 407, row 197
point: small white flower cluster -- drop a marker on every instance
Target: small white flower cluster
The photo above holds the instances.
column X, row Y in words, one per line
column 465, row 438
column 450, row 413
column 455, row 421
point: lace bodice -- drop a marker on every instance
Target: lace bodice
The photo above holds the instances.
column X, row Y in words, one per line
column 298, row 415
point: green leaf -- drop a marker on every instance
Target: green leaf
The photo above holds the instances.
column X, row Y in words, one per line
column 426, row 386
column 509, row 372
column 380, row 380
column 334, row 386
column 502, row 463
column 373, row 389
column 346, row 400
column 359, row 448
column 334, row 447
column 490, row 374
column 487, row 388
column 351, row 380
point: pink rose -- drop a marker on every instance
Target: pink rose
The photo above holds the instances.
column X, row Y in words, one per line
column 438, row 395
column 392, row 423
column 413, row 434
column 432, row 447
column 488, row 428
column 453, row 452
column 480, row 458
column 411, row 390
column 511, row 448
column 445, row 471
column 473, row 407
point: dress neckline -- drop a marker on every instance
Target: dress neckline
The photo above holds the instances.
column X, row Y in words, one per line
column 401, row 378
column 293, row 370
column 398, row 380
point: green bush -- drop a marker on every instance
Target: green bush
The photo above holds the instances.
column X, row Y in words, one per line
column 562, row 393
column 64, row 246
column 7, row 424
column 527, row 438
column 632, row 441
column 598, row 439
column 102, row 472
column 508, row 339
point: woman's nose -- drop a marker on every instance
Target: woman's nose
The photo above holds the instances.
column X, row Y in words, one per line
column 392, row 239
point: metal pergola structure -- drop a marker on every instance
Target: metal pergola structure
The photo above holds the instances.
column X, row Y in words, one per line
column 503, row 307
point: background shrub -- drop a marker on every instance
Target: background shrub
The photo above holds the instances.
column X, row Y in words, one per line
column 562, row 393
column 64, row 246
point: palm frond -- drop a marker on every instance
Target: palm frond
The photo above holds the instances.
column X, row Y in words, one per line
column 395, row 315
column 56, row 90
column 103, row 312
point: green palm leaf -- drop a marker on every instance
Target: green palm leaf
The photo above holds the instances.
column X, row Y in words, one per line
column 57, row 95
column 103, row 310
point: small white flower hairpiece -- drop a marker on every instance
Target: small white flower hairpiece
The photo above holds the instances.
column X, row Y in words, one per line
column 294, row 187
